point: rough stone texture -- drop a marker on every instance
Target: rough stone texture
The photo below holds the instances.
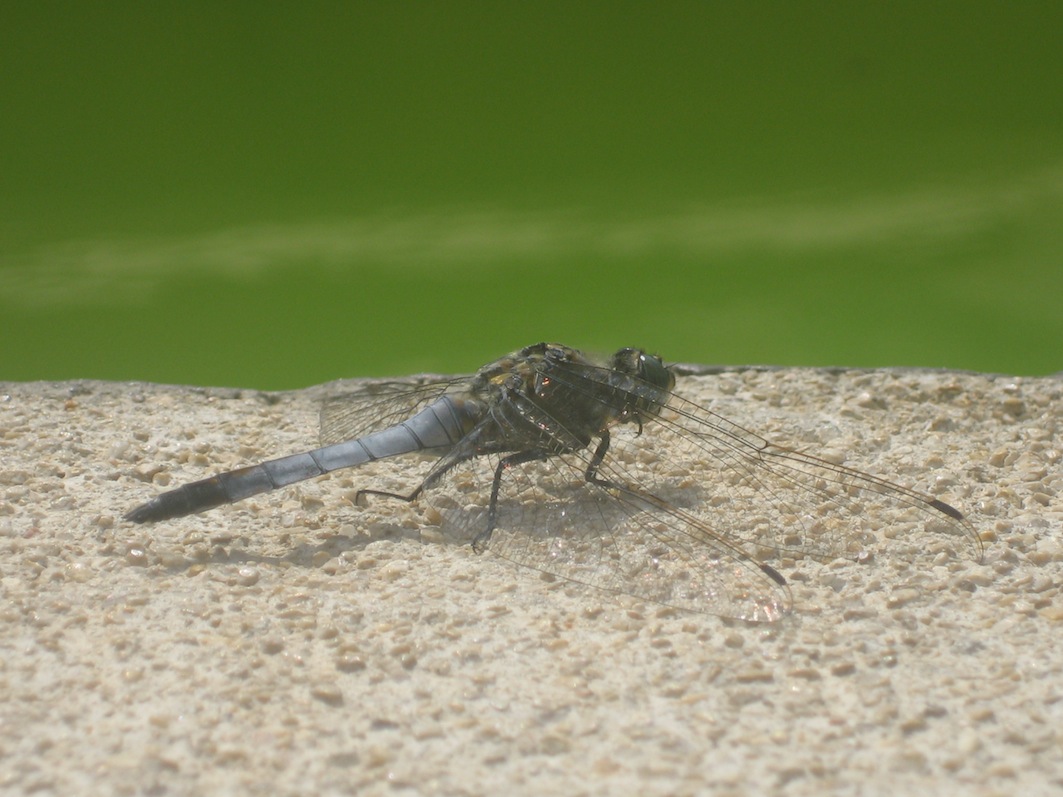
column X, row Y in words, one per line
column 297, row 644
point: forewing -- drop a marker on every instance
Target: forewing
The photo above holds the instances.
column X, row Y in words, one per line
column 774, row 500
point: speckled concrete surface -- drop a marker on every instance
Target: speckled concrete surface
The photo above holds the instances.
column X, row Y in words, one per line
column 296, row 644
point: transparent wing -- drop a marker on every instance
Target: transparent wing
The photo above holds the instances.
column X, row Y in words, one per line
column 774, row 499
column 377, row 405
column 692, row 506
column 766, row 498
column 623, row 541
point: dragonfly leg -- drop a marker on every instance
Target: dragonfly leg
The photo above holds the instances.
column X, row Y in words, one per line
column 591, row 474
column 479, row 542
column 359, row 497
column 434, row 476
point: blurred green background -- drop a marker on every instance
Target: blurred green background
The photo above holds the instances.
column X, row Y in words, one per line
column 272, row 195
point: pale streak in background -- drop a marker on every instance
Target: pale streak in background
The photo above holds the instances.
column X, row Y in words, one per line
column 111, row 271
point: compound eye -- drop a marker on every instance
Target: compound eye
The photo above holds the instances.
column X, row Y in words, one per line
column 652, row 369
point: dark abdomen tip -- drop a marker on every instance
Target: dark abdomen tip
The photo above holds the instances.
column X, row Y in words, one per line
column 186, row 500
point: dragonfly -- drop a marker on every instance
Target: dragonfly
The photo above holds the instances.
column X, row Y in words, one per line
column 601, row 473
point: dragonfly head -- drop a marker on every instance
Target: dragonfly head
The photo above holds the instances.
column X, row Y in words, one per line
column 648, row 395
column 647, row 367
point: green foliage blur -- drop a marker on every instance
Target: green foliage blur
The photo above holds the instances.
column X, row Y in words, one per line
column 273, row 195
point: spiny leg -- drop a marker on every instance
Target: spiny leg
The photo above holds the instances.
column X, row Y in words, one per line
column 359, row 497
column 479, row 542
column 591, row 474
column 434, row 475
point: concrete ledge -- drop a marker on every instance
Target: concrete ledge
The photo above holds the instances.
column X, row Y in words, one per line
column 296, row 644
